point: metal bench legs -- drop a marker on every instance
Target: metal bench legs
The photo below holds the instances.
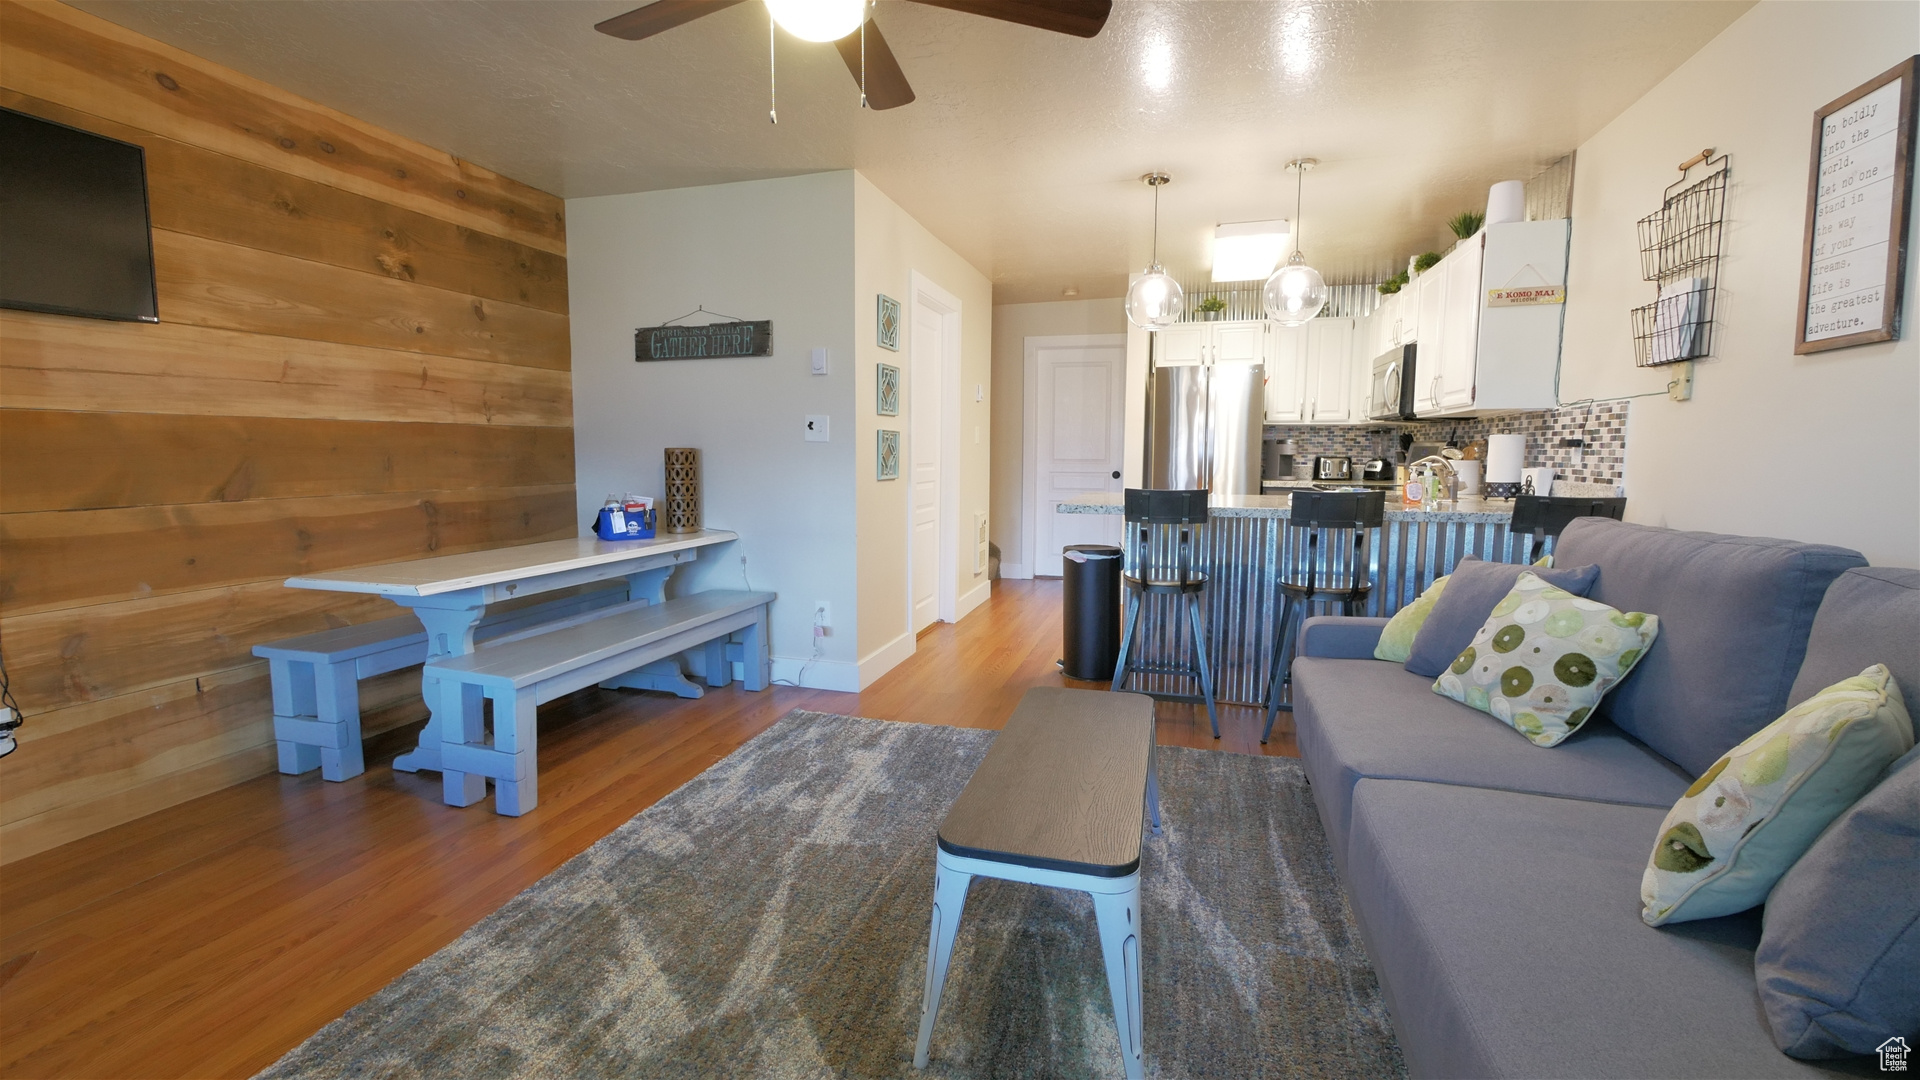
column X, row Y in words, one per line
column 1116, row 906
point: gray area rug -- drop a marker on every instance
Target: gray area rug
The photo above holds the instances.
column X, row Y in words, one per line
column 769, row 919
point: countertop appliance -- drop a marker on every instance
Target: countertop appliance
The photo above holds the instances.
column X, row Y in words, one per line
column 1333, row 468
column 1204, row 427
column 1390, row 396
column 1276, row 459
column 1377, row 469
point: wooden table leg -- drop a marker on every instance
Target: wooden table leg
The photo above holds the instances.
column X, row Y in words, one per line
column 449, row 633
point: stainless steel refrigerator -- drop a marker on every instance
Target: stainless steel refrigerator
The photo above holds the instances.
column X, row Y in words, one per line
column 1203, row 427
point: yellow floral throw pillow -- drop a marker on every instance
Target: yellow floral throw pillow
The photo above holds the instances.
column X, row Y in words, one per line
column 1545, row 658
column 1751, row 816
column 1396, row 638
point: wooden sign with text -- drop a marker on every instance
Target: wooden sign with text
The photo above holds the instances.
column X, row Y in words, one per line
column 715, row 340
column 1854, row 261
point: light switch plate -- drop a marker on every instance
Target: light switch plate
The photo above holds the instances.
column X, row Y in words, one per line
column 817, row 429
column 818, row 358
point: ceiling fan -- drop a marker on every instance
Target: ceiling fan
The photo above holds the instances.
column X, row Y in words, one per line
column 843, row 22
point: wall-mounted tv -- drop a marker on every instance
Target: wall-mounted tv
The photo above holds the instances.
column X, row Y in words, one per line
column 74, row 234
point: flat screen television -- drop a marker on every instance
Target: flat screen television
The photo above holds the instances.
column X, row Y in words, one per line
column 74, row 233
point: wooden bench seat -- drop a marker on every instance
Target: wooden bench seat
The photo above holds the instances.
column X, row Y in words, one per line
column 316, row 677
column 1057, row 801
column 518, row 676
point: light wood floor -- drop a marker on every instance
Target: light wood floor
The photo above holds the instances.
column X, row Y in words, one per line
column 210, row 938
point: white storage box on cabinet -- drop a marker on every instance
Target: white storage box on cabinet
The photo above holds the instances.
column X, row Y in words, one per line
column 1476, row 359
column 1311, row 374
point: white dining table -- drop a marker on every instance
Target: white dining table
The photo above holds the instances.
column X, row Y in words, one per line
column 450, row 593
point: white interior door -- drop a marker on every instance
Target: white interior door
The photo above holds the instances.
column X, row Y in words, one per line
column 1079, row 414
column 926, row 365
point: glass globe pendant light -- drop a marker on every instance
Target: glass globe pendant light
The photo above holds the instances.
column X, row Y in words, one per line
column 1296, row 292
column 1155, row 301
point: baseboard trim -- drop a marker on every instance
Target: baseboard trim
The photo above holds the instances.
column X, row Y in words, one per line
column 883, row 659
column 816, row 674
column 971, row 599
column 1016, row 571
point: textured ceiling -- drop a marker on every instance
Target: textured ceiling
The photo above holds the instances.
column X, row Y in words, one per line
column 1024, row 149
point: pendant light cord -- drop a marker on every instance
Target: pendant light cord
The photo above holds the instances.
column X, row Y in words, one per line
column 1156, row 224
column 773, row 99
column 1300, row 183
column 863, row 60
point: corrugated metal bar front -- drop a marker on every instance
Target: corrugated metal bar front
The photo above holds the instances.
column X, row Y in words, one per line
column 1241, row 603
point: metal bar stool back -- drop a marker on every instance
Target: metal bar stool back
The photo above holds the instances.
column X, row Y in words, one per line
column 1326, row 553
column 1165, row 550
column 1545, row 516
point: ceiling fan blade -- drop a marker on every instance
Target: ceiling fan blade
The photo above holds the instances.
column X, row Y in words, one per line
column 886, row 84
column 1081, row 18
column 661, row 15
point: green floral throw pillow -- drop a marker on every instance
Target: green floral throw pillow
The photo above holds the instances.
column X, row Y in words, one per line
column 1545, row 658
column 1751, row 816
column 1396, row 638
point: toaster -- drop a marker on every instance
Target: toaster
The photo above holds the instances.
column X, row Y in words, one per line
column 1333, row 468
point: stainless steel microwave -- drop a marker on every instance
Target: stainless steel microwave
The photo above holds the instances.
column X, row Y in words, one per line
column 1391, row 393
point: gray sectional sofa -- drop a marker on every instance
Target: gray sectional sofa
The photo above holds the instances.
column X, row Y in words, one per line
column 1497, row 882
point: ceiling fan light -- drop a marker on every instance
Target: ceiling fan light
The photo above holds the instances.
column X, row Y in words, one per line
column 1295, row 293
column 818, row 20
column 1155, row 300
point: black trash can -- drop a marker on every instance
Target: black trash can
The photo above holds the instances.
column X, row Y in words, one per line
column 1090, row 583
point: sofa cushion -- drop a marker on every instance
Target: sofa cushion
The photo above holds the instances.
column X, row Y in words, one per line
column 1396, row 638
column 1473, row 589
column 1841, row 942
column 1508, row 943
column 1545, row 658
column 1753, row 814
column 1734, row 616
column 1357, row 718
column 1870, row 615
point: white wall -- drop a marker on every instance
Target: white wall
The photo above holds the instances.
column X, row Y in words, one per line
column 889, row 247
column 1013, row 324
column 1818, row 448
column 767, row 249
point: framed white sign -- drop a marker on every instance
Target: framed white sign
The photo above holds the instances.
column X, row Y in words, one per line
column 1860, row 193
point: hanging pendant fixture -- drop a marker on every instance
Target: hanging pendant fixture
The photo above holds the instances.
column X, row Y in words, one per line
column 1155, row 301
column 1296, row 292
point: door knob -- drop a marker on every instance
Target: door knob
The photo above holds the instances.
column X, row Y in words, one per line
column 1116, row 474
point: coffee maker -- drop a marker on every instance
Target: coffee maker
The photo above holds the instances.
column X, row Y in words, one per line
column 1276, row 459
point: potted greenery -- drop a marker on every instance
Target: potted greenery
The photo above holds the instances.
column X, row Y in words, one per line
column 1393, row 284
column 1427, row 262
column 1210, row 308
column 1466, row 223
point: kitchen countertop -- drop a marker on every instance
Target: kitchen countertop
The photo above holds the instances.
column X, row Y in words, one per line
column 1477, row 511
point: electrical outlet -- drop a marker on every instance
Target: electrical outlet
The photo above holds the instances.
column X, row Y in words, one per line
column 816, row 428
column 822, row 619
column 1680, row 388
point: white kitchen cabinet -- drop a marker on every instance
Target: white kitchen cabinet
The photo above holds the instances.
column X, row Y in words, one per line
column 1287, row 375
column 1311, row 374
column 1477, row 359
column 1330, row 381
column 1239, row 342
column 1395, row 321
column 1182, row 343
column 1211, row 343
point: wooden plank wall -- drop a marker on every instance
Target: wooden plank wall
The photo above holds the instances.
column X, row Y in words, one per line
column 363, row 357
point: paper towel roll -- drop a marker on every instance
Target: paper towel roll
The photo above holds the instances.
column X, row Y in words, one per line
column 1506, row 201
column 1469, row 473
column 1504, row 456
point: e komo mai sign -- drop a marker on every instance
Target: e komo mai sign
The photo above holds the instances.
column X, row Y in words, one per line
column 713, row 341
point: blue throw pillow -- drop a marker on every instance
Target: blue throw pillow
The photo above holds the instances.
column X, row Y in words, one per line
column 1473, row 589
column 1841, row 944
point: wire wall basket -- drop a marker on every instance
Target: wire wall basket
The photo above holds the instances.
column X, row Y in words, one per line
column 1680, row 253
column 1244, row 301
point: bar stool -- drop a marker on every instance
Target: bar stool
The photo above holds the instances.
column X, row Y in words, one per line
column 1165, row 552
column 1546, row 516
column 1326, row 566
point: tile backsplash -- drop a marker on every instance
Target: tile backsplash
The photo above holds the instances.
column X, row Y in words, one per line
column 1601, row 424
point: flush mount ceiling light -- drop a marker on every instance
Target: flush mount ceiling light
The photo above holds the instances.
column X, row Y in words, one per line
column 1155, row 300
column 1296, row 292
column 1248, row 250
column 818, row 20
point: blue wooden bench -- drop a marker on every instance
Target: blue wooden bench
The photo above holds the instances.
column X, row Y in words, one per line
column 600, row 649
column 316, row 677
